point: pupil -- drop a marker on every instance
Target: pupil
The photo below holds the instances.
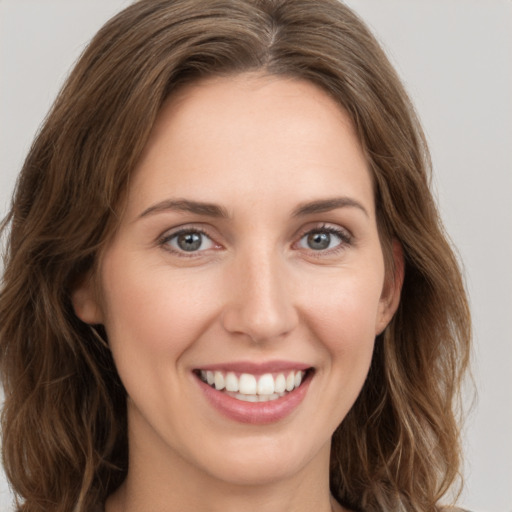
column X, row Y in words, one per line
column 189, row 241
column 319, row 241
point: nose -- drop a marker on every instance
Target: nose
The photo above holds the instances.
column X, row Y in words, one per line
column 260, row 298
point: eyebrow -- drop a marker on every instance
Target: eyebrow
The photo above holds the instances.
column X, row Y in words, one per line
column 326, row 205
column 186, row 205
column 216, row 211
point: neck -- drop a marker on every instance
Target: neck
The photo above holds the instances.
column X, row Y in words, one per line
column 159, row 480
column 277, row 498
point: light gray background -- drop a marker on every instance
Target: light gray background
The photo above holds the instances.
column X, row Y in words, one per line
column 455, row 57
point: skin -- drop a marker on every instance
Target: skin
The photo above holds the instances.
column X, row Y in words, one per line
column 259, row 148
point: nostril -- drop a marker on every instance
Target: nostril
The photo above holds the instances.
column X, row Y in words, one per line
column 260, row 304
column 260, row 324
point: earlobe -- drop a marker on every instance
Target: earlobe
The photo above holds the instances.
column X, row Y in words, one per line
column 390, row 298
column 85, row 303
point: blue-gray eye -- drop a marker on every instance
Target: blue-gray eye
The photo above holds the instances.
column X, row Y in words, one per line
column 321, row 240
column 190, row 241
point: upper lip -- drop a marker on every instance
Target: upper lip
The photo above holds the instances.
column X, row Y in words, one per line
column 255, row 368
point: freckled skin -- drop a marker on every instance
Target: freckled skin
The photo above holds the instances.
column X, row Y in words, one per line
column 259, row 147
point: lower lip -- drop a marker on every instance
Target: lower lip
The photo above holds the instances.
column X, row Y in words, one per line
column 256, row 413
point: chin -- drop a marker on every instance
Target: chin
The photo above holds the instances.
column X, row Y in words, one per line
column 264, row 460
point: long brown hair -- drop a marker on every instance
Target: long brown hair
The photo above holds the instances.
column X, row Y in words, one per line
column 64, row 417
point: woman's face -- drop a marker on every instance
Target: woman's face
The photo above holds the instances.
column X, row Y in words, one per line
column 248, row 256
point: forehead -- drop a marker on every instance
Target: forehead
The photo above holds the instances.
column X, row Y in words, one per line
column 249, row 136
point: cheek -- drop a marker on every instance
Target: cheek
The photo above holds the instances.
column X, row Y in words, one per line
column 349, row 306
column 342, row 319
column 151, row 311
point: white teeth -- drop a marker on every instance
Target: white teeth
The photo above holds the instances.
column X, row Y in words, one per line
column 219, row 381
column 255, row 398
column 252, row 388
column 290, row 381
column 247, row 384
column 266, row 384
column 231, row 382
column 247, row 398
column 280, row 384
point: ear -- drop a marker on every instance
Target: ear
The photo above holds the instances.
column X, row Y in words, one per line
column 85, row 302
column 390, row 298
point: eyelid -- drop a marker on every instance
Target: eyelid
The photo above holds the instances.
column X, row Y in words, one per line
column 325, row 226
column 345, row 236
column 169, row 234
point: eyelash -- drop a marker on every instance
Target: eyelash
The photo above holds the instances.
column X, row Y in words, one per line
column 344, row 236
column 166, row 238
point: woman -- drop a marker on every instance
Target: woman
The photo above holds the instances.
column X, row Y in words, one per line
column 239, row 292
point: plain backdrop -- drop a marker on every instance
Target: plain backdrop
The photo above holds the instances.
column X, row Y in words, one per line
column 455, row 57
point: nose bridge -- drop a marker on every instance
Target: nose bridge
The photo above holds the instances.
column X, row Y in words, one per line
column 260, row 304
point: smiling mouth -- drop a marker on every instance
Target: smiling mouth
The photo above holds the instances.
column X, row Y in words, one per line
column 248, row 387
